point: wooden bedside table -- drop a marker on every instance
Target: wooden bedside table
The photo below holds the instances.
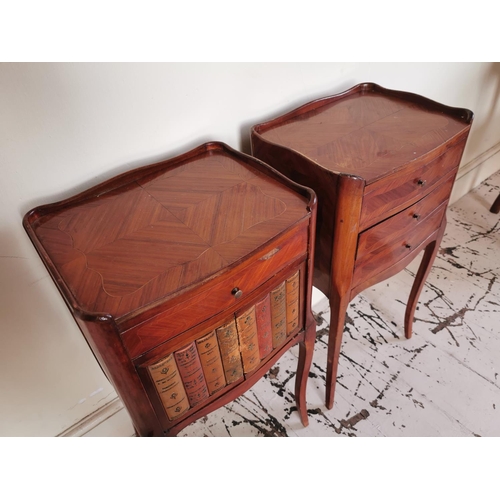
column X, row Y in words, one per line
column 382, row 163
column 189, row 279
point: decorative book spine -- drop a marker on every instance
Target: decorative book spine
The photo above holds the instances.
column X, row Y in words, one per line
column 292, row 303
column 227, row 336
column 169, row 386
column 278, row 315
column 264, row 331
column 191, row 372
column 211, row 362
column 249, row 343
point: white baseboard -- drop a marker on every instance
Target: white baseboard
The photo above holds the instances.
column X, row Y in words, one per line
column 93, row 420
column 318, row 302
column 476, row 171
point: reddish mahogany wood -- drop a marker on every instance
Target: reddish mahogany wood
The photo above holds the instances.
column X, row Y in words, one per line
column 430, row 253
column 109, row 244
column 392, row 247
column 388, row 196
column 145, row 259
column 178, row 317
column 375, row 157
column 305, row 338
column 103, row 339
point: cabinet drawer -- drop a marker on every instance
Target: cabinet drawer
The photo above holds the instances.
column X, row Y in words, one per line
column 206, row 301
column 403, row 188
column 393, row 239
column 201, row 365
column 403, row 224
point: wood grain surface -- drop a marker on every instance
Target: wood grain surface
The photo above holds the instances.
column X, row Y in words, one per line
column 367, row 131
column 376, row 158
column 127, row 245
column 152, row 260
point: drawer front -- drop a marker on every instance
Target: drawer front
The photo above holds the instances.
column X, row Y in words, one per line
column 403, row 188
column 397, row 227
column 209, row 300
column 201, row 365
column 393, row 239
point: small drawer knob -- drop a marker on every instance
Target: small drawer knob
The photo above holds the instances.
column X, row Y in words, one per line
column 407, row 245
column 421, row 182
column 416, row 216
column 237, row 292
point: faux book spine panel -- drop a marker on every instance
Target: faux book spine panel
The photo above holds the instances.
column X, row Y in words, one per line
column 227, row 336
column 264, row 331
column 223, row 356
column 292, row 303
column 169, row 386
column 249, row 344
column 278, row 315
column 191, row 372
column 211, row 362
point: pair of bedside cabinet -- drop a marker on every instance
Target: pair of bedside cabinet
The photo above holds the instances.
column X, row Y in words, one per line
column 190, row 278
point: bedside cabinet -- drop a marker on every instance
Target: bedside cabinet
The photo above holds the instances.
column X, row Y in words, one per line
column 382, row 163
column 189, row 279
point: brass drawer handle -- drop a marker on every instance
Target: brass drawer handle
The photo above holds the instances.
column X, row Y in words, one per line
column 237, row 292
column 416, row 216
column 270, row 254
column 421, row 182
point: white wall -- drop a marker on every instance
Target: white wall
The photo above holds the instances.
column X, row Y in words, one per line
column 65, row 127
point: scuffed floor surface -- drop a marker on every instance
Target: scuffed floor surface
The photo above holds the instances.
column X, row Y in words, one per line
column 445, row 381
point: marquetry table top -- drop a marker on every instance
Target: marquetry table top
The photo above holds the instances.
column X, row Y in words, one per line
column 151, row 232
column 366, row 131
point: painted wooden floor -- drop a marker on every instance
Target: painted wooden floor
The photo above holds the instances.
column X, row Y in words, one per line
column 445, row 381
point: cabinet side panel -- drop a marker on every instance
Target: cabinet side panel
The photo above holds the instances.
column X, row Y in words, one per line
column 108, row 349
column 323, row 182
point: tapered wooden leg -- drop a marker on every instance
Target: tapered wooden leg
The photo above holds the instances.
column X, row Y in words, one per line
column 306, row 350
column 495, row 208
column 338, row 308
column 430, row 253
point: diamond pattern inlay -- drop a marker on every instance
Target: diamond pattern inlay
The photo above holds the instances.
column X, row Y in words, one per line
column 165, row 231
column 364, row 134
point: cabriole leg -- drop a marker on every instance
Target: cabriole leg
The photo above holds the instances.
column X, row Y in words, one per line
column 306, row 350
column 338, row 309
column 430, row 253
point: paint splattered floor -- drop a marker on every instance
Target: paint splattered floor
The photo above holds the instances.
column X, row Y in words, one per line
column 445, row 381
